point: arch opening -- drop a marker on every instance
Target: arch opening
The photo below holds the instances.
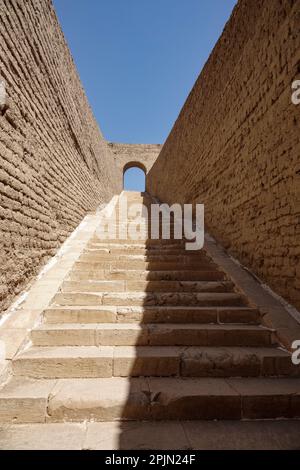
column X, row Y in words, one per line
column 134, row 177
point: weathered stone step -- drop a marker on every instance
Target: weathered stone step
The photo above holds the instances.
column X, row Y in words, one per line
column 142, row 236
column 182, row 259
column 267, row 434
column 141, row 298
column 149, row 242
column 164, row 361
column 145, row 286
column 135, row 225
column 25, row 400
column 173, row 398
column 114, row 246
column 130, row 334
column 139, row 227
column 131, row 274
column 156, row 314
column 65, row 362
column 84, row 264
column 202, row 361
column 137, row 249
column 95, row 257
column 146, row 242
column 143, row 253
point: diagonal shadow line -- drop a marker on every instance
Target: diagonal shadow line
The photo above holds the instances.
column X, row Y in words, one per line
column 166, row 263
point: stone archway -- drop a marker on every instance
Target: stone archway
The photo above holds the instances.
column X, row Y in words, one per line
column 134, row 155
column 131, row 165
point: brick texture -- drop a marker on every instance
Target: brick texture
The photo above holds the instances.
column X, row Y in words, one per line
column 55, row 166
column 129, row 155
column 235, row 146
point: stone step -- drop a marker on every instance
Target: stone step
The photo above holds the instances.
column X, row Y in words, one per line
column 145, row 286
column 114, row 246
column 138, row 250
column 143, row 216
column 140, row 232
column 142, row 298
column 174, row 398
column 164, row 361
column 139, row 212
column 157, row 314
column 85, row 264
column 270, row 434
column 142, row 235
column 131, row 274
column 149, row 242
column 95, row 256
column 145, row 330
column 137, row 224
column 130, row 334
column 25, row 400
column 141, row 265
column 94, row 286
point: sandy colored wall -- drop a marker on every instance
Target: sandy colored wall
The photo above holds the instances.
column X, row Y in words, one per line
column 236, row 144
column 54, row 163
column 125, row 155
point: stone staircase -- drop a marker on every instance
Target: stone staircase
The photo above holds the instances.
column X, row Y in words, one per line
column 143, row 330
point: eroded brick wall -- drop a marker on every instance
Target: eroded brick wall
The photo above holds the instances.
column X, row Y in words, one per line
column 54, row 163
column 236, row 144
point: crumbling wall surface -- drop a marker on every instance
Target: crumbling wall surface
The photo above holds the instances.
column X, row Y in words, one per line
column 236, row 144
column 55, row 165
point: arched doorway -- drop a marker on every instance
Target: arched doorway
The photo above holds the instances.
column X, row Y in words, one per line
column 134, row 177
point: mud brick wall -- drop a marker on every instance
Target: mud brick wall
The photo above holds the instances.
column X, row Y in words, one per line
column 236, row 144
column 128, row 155
column 55, row 165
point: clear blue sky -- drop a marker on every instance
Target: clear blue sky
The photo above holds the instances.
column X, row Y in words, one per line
column 134, row 180
column 138, row 59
